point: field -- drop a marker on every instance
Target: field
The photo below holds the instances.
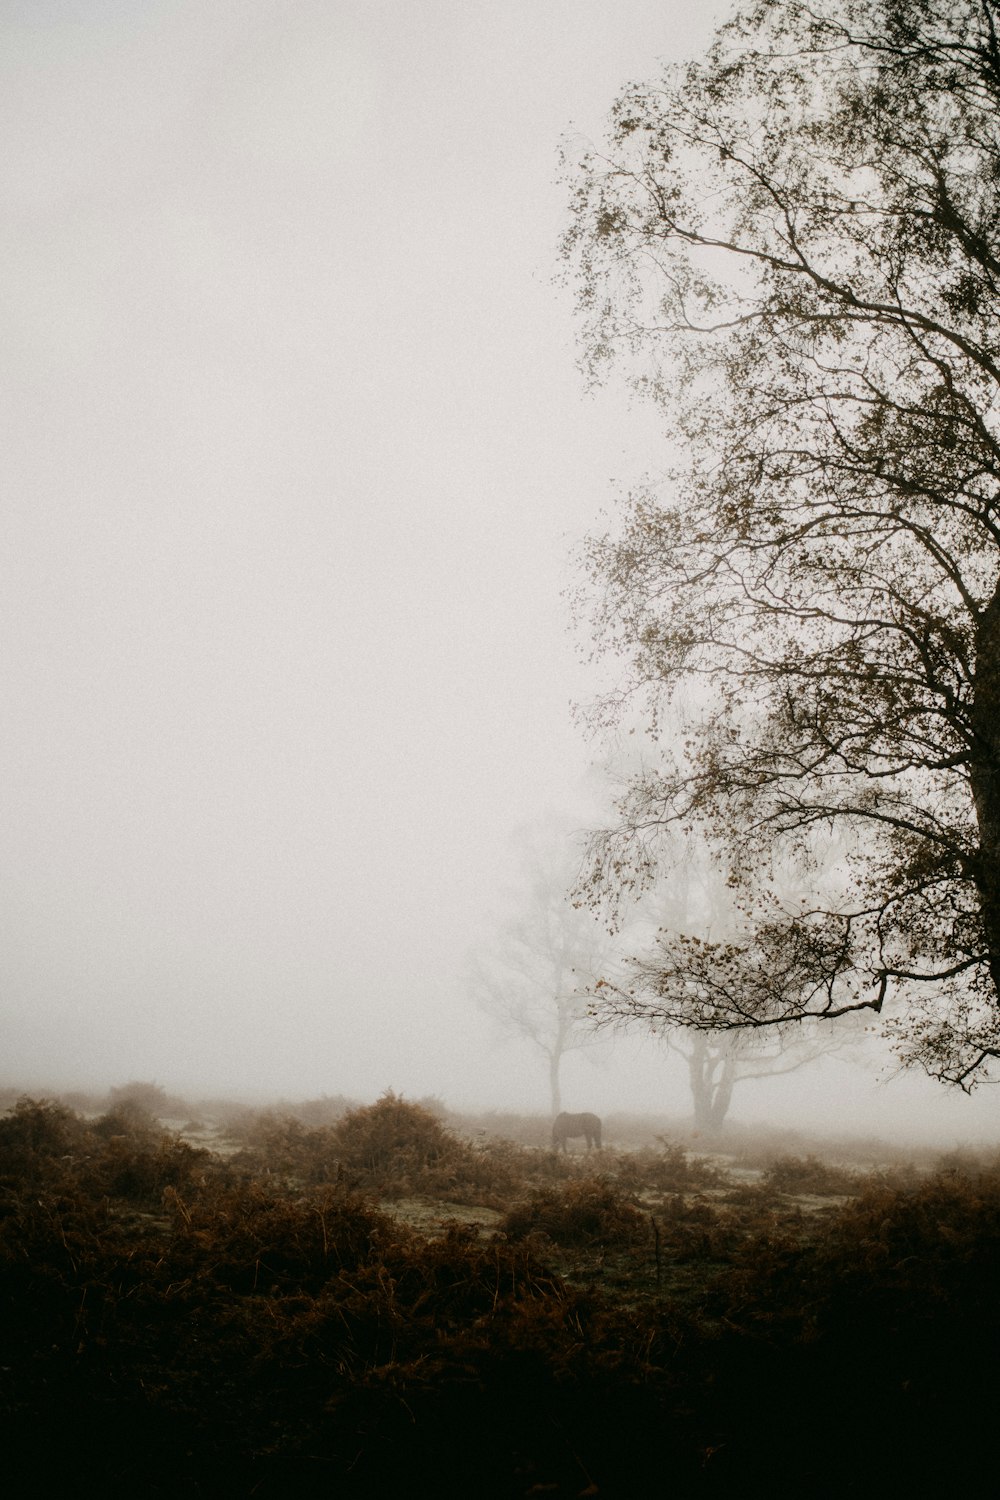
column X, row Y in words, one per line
column 389, row 1299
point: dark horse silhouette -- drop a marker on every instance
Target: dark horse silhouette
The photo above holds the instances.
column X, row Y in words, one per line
column 567, row 1126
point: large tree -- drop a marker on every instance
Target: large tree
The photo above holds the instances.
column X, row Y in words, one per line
column 794, row 246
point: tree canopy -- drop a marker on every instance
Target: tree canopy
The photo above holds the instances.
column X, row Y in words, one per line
column 793, row 247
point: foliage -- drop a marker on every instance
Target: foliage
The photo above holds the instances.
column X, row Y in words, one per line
column 37, row 1130
column 398, row 1148
column 281, row 1146
column 794, row 243
column 796, row 1174
column 228, row 1336
column 121, row 1154
column 586, row 1211
column 670, row 1168
column 126, row 1118
column 151, row 1098
column 391, row 1136
column 393, row 1147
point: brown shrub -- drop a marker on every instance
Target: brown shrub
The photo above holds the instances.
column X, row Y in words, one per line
column 398, row 1148
column 393, row 1148
column 583, row 1212
column 35, row 1132
column 127, row 1120
column 139, row 1170
column 247, row 1237
column 124, row 1154
column 796, row 1174
column 948, row 1219
column 669, row 1169
column 280, row 1146
column 391, row 1138
column 150, row 1098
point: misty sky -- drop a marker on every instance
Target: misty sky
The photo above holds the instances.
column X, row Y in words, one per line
column 295, row 450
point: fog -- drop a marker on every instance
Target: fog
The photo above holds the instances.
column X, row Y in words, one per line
column 295, row 451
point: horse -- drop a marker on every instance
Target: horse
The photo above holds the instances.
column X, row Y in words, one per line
column 568, row 1126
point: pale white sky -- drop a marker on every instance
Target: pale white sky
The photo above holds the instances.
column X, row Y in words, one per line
column 294, row 450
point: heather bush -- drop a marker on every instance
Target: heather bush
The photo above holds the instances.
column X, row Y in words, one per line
column 796, row 1174
column 668, row 1168
column 391, row 1138
column 393, row 1148
column 127, row 1120
column 138, row 1170
column 37, row 1132
column 280, row 1146
column 586, row 1211
column 397, row 1148
column 150, row 1098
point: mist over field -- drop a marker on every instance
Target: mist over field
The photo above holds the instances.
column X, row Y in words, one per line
column 494, row 869
column 295, row 455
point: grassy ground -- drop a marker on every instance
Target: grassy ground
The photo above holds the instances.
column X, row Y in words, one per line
column 382, row 1300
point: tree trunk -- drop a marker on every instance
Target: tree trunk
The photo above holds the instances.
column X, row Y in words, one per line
column 722, row 1095
column 985, row 778
column 712, row 1074
column 555, row 1091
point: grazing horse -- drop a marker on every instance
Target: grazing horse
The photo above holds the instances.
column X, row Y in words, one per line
column 567, row 1126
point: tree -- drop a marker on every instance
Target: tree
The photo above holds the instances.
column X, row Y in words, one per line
column 537, row 976
column 794, row 246
column 691, row 894
column 717, row 1064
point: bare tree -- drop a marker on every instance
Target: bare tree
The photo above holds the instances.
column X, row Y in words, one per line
column 536, row 978
column 796, row 245
column 718, row 1064
column 692, row 895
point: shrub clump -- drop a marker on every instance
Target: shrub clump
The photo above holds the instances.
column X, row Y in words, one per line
column 668, row 1169
column 124, row 1154
column 396, row 1148
column 280, row 1146
column 391, row 1138
column 393, row 1148
column 36, row 1134
column 587, row 1211
column 139, row 1170
column 796, row 1174
column 150, row 1098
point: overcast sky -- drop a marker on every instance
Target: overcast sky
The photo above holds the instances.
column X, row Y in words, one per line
column 295, row 449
